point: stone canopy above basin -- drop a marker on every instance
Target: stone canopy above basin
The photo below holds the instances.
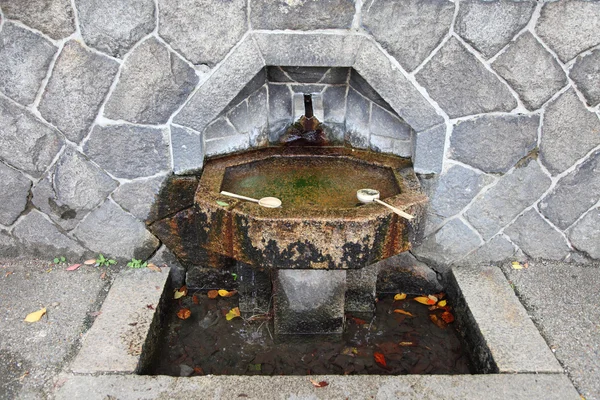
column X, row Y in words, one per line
column 320, row 224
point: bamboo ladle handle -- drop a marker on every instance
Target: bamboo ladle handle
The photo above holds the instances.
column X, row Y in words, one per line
column 396, row 210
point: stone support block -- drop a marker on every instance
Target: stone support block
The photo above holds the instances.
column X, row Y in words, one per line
column 254, row 289
column 229, row 144
column 358, row 114
column 218, row 129
column 334, row 104
column 361, row 285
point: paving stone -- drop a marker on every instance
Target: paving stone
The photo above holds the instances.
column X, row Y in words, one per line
column 358, row 111
column 24, row 61
column 488, row 26
column 383, row 144
column 537, row 238
column 111, row 231
column 226, row 145
column 114, row 26
column 394, row 88
column 334, row 104
column 408, row 30
column 461, row 85
column 498, row 206
column 53, row 17
column 569, row 27
column 428, row 153
column 280, row 104
column 188, row 150
column 13, row 196
column 384, row 123
column 64, row 103
column 585, row 233
column 403, row 273
column 8, row 245
column 530, row 70
column 452, row 242
column 39, row 237
column 302, row 14
column 494, row 143
column 574, row 194
column 496, row 250
column 586, row 74
column 71, row 189
column 25, row 142
column 219, row 128
column 567, row 121
column 154, row 83
column 137, row 197
column 129, row 151
column 221, row 24
column 165, row 258
column 361, row 285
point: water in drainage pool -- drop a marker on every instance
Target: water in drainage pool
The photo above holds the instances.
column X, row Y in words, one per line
column 207, row 343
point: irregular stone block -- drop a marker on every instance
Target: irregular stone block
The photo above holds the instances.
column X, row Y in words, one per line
column 496, row 250
column 384, row 123
column 301, row 15
column 153, row 84
column 569, row 27
column 219, row 128
column 24, row 61
column 405, row 274
column 361, row 286
column 586, row 74
column 566, row 120
column 358, row 113
column 64, row 103
column 531, row 71
column 408, row 30
column 280, row 104
column 71, row 189
column 128, row 151
column 585, row 233
column 40, row 237
column 254, row 289
column 251, row 118
column 13, row 196
column 114, row 26
column 495, row 208
column 461, row 85
column 395, row 88
column 176, row 194
column 488, row 26
column 428, row 150
column 222, row 25
column 494, row 143
column 111, row 231
column 188, row 150
column 137, row 197
column 25, row 142
column 334, row 104
column 164, row 258
column 230, row 144
column 8, row 245
column 382, row 144
column 53, row 17
column 537, row 238
column 573, row 194
column 309, row 301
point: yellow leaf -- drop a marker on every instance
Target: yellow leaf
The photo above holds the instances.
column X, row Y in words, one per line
column 425, row 300
column 442, row 303
column 225, row 293
column 400, row 296
column 397, row 311
column 406, row 343
column 517, row 265
column 35, row 316
column 180, row 293
column 233, row 313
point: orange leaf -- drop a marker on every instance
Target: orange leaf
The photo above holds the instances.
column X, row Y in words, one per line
column 199, row 370
column 447, row 317
column 398, row 311
column 225, row 293
column 380, row 359
column 213, row 294
column 439, row 322
column 195, row 299
column 425, row 300
column 184, row 313
column 318, row 384
column 90, row 262
column 400, row 296
column 233, row 313
column 358, row 321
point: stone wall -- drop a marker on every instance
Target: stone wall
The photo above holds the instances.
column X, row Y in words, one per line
column 101, row 101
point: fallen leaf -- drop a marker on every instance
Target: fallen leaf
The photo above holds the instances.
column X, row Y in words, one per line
column 213, row 294
column 225, row 293
column 398, row 311
column 425, row 300
column 184, row 313
column 199, row 370
column 73, row 267
column 8, row 273
column 432, row 298
column 439, row 322
column 406, row 343
column 358, row 321
column 222, row 203
column 35, row 316
column 380, row 359
column 442, row 303
column 90, row 262
column 517, row 265
column 440, row 295
column 318, row 384
column 233, row 313
column 153, row 267
column 400, row 296
column 195, row 299
column 150, row 306
column 447, row 317
column 181, row 292
column 103, row 275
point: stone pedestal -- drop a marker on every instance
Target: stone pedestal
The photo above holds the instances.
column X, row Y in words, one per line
column 360, row 291
column 254, row 289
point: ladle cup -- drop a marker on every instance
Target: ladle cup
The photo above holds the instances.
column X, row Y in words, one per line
column 269, row 202
column 372, row 195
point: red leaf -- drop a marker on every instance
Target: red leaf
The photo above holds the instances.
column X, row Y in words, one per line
column 195, row 299
column 447, row 317
column 73, row 267
column 380, row 359
column 358, row 321
column 318, row 384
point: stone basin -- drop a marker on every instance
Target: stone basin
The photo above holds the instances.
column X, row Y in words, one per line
column 320, row 224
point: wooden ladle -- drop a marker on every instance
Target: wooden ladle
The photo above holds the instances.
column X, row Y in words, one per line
column 269, row 202
column 372, row 195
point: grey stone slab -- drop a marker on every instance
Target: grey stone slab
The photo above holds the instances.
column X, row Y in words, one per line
column 361, row 285
column 226, row 145
column 494, row 143
column 309, row 301
column 334, row 104
column 39, row 237
column 187, row 147
column 488, row 26
column 153, row 84
column 307, row 88
column 359, row 84
column 280, row 104
column 25, row 142
column 452, row 242
column 257, row 82
column 71, row 189
column 237, row 70
column 301, row 15
column 530, row 70
column 114, row 343
column 305, row 74
column 358, row 113
column 569, row 27
column 537, row 238
column 336, row 76
column 586, row 74
column 384, row 144
column 573, row 194
column 585, row 233
column 508, row 334
column 498, row 206
column 428, row 153
column 408, row 30
column 461, row 85
column 53, row 17
column 222, row 25
column 276, row 74
column 129, row 151
column 566, row 120
column 8, row 245
column 165, row 258
column 111, row 231
column 495, row 250
column 308, row 50
column 394, row 87
column 137, row 197
column 403, row 273
column 113, row 26
column 64, row 103
column 24, row 61
column 254, row 289
column 13, row 196
column 251, row 118
column 218, row 129
column 384, row 123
